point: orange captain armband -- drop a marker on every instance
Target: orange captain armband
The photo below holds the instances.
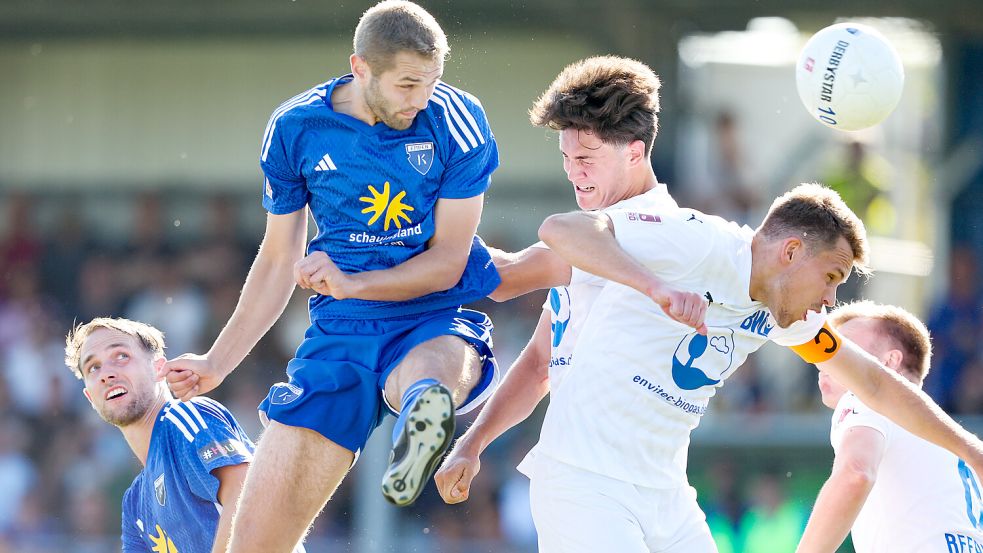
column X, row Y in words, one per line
column 821, row 348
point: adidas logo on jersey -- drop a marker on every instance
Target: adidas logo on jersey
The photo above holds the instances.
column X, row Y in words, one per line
column 325, row 164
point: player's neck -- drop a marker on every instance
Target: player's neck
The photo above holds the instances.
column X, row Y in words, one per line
column 138, row 434
column 347, row 98
column 761, row 273
column 640, row 181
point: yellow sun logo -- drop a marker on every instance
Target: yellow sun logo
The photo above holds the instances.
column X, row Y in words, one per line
column 380, row 203
column 162, row 543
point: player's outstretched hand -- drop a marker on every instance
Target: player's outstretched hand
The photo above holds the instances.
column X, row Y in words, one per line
column 190, row 375
column 454, row 477
column 319, row 273
column 688, row 308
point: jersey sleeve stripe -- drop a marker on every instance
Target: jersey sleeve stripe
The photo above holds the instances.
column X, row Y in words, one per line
column 180, row 425
column 455, row 95
column 307, row 98
column 450, row 125
column 456, row 114
column 182, row 410
column 272, row 119
column 197, row 415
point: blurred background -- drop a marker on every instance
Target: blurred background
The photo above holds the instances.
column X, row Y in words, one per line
column 129, row 186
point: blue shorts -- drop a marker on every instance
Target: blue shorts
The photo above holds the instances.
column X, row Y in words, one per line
column 338, row 377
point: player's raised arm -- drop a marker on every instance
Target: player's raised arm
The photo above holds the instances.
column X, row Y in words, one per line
column 264, row 297
column 844, row 493
column 587, row 241
column 436, row 269
column 890, row 394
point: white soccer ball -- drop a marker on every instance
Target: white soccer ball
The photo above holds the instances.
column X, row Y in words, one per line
column 849, row 76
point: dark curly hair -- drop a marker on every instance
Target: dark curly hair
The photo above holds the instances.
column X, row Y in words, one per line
column 615, row 98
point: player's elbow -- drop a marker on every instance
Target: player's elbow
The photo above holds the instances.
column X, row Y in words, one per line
column 502, row 293
column 857, row 477
column 552, row 229
column 449, row 275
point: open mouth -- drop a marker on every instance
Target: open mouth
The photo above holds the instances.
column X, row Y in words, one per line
column 115, row 392
column 585, row 188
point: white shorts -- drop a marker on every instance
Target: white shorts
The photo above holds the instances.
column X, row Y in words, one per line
column 576, row 510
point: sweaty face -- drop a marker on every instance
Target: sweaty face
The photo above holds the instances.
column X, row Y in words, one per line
column 397, row 94
column 598, row 171
column 119, row 376
column 864, row 333
column 810, row 281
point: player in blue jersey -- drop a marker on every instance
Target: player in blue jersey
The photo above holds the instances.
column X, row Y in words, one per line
column 194, row 454
column 392, row 163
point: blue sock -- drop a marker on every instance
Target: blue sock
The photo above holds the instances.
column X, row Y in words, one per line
column 409, row 397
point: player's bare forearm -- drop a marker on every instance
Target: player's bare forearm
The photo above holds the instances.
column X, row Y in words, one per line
column 230, row 486
column 266, row 292
column 429, row 272
column 836, row 509
column 586, row 240
column 893, row 396
column 525, row 384
column 534, row 268
column 844, row 493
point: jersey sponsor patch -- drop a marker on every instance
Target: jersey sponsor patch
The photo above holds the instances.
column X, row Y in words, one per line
column 821, row 348
column 643, row 217
column 225, row 448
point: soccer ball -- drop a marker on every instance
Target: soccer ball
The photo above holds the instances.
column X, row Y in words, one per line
column 849, row 76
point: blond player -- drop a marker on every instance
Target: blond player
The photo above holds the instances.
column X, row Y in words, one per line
column 892, row 490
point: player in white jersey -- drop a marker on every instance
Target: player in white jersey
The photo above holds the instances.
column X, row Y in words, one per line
column 610, row 473
column 897, row 491
column 605, row 109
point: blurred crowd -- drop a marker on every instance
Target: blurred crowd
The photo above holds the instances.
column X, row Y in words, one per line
column 63, row 470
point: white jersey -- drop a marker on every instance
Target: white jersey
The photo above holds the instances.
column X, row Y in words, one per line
column 642, row 381
column 924, row 498
column 569, row 305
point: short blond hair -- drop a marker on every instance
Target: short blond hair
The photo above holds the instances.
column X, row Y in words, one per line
column 904, row 330
column 395, row 26
column 149, row 337
column 818, row 216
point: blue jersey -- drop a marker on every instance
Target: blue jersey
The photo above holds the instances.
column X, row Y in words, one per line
column 372, row 189
column 172, row 505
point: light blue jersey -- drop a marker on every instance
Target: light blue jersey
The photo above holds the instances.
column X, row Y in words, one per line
column 172, row 505
column 372, row 190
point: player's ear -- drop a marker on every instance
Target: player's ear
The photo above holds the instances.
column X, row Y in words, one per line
column 360, row 68
column 792, row 249
column 636, row 152
column 892, row 359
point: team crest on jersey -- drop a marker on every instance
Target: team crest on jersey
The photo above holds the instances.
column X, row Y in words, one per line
column 284, row 393
column 702, row 360
column 159, row 490
column 420, row 156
